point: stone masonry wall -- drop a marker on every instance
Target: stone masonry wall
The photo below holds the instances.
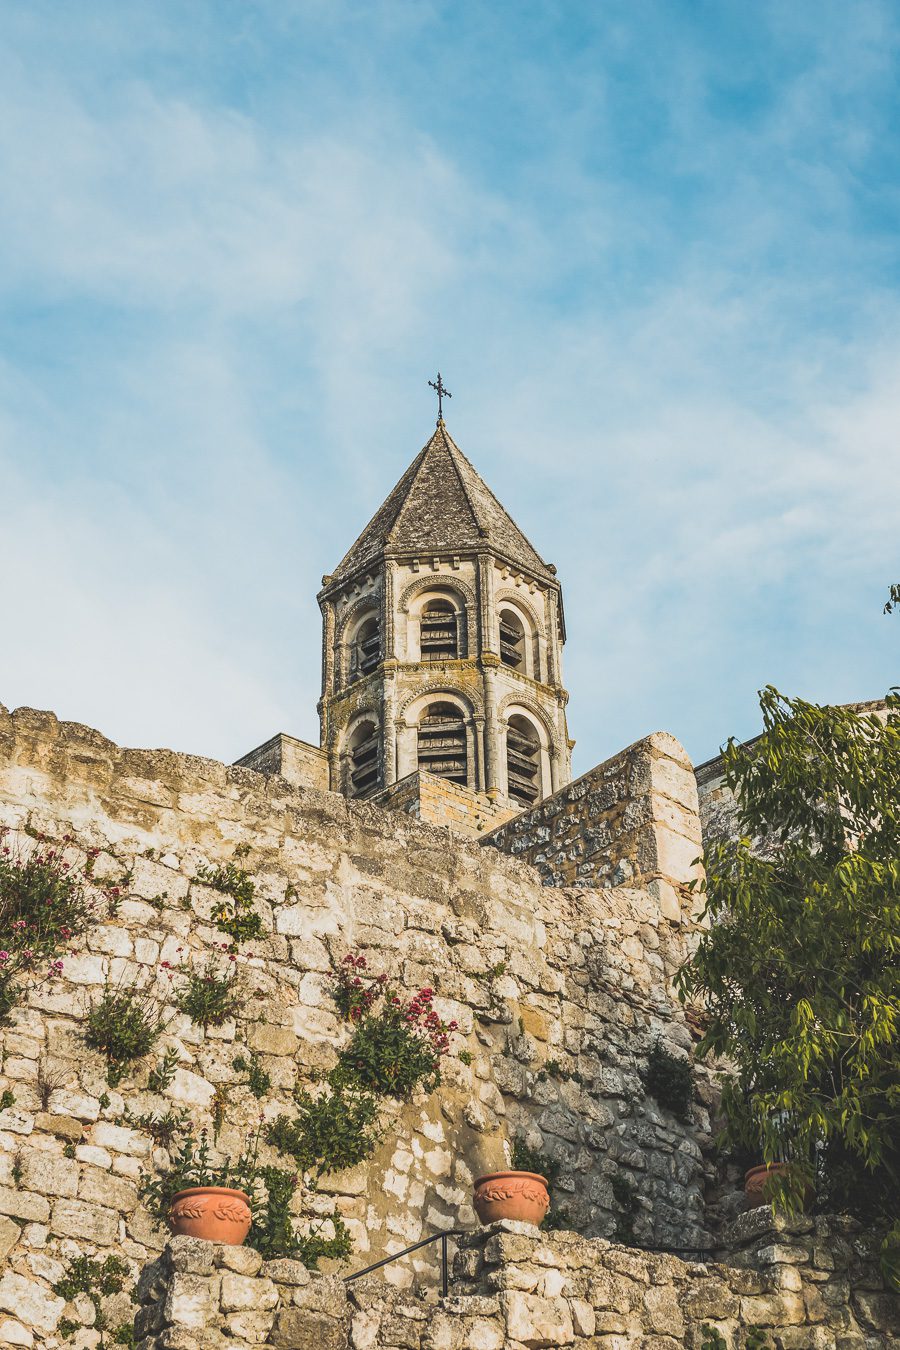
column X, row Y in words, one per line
column 632, row 820
column 440, row 802
column 559, row 995
column 297, row 761
column 801, row 1284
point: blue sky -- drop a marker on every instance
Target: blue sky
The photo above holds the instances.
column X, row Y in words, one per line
column 653, row 247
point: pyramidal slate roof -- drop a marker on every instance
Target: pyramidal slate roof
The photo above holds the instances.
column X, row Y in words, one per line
column 442, row 504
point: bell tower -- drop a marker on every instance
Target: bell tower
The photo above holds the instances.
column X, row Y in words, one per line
column 442, row 638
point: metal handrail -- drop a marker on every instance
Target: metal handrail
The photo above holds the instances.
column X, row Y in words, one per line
column 386, row 1260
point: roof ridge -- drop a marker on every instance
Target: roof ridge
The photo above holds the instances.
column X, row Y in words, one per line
column 453, row 450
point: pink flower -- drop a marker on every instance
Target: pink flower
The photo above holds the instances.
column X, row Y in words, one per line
column 4, row 956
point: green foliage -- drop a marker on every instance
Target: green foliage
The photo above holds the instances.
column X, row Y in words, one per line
column 209, row 996
column 799, row 968
column 258, row 1080
column 193, row 1164
column 125, row 1025
column 525, row 1159
column 161, row 1077
column 338, row 1128
column 44, row 903
column 98, row 1279
column 6, row 1099
column 236, row 916
column 67, row 1328
column 272, row 1230
column 163, row 1129
column 712, row 1339
column 893, row 601
column 397, row 1045
column 124, row 1335
column 465, row 1057
column 757, row 1339
column 313, row 1246
column 625, row 1195
column 669, row 1081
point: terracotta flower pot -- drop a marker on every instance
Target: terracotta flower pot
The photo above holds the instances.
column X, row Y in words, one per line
column 757, row 1189
column 511, row 1195
column 216, row 1213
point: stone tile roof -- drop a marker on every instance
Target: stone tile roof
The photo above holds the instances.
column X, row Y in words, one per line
column 441, row 504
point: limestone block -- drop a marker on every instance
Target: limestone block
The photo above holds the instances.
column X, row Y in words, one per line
column 49, row 1174
column 64, row 1126
column 537, row 1321
column 192, row 1256
column 283, row 1270
column 191, row 1301
column 243, row 1260
column 17, row 1122
column 75, row 1104
column 240, row 1292
column 84, row 969
column 305, row 1329
column 773, row 1310
column 584, row 1319
column 13, row 1333
column 663, row 1314
column 190, row 1089
column 102, row 1189
column 77, row 1218
column 272, row 1040
column 120, row 1139
column 9, row 1236
column 24, row 1204
column 34, row 1304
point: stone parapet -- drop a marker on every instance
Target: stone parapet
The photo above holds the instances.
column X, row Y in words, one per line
column 438, row 801
column 799, row 1284
column 296, row 761
column 632, row 820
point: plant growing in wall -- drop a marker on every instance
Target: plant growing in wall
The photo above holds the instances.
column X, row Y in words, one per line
column 396, row 1046
column 798, row 969
column 525, row 1159
column 210, row 994
column 98, row 1279
column 236, row 915
column 124, row 1026
column 668, row 1079
column 45, row 902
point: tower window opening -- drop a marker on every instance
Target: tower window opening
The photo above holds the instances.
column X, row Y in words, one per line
column 442, row 742
column 367, row 647
column 512, row 640
column 438, row 632
column 523, row 761
column 365, row 761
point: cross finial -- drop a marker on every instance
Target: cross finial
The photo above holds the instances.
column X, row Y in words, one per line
column 442, row 393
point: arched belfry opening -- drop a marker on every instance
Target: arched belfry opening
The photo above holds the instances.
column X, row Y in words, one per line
column 442, row 742
column 512, row 640
column 364, row 774
column 367, row 646
column 523, row 761
column 440, row 635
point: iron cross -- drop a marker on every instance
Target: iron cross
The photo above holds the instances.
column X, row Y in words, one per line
column 442, row 393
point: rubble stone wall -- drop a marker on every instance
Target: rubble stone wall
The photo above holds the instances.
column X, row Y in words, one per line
column 442, row 802
column 798, row 1284
column 559, row 995
column 632, row 820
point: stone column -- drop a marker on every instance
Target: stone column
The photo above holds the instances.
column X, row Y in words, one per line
column 486, row 637
column 388, row 603
column 389, row 724
column 491, row 730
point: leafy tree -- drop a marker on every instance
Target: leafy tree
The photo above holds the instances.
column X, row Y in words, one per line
column 800, row 966
column 893, row 600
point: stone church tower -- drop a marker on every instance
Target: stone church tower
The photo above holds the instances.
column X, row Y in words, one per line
column 443, row 631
